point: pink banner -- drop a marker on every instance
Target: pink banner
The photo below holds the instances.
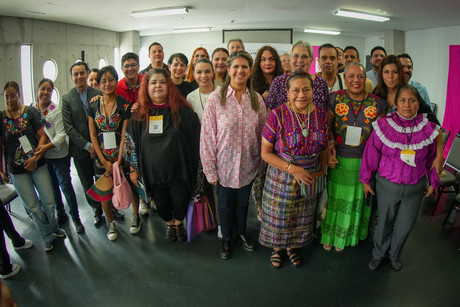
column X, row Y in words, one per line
column 452, row 112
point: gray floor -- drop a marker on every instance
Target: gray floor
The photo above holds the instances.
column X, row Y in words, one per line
column 145, row 270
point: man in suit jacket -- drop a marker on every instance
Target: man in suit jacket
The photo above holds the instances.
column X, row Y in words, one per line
column 74, row 106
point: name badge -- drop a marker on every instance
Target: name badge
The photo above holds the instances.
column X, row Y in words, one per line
column 109, row 140
column 25, row 144
column 156, row 124
column 353, row 136
column 408, row 157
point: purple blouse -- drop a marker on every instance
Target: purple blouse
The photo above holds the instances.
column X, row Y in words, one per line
column 278, row 95
column 282, row 123
column 393, row 134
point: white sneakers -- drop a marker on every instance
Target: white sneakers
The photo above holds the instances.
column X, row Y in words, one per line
column 144, row 209
column 136, row 224
column 15, row 268
column 112, row 234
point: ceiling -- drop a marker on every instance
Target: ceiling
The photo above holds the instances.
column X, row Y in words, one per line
column 241, row 14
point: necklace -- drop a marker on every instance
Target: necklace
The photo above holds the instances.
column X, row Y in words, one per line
column 301, row 123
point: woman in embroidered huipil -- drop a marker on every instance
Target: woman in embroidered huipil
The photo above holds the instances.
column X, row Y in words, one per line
column 351, row 113
column 57, row 156
column 301, row 58
column 294, row 145
column 108, row 119
column 391, row 79
column 401, row 150
column 231, row 130
column 23, row 138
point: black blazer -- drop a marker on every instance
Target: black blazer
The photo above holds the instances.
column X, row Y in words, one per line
column 76, row 121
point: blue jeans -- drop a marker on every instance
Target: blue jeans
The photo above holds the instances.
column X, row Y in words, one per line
column 59, row 170
column 233, row 210
column 42, row 210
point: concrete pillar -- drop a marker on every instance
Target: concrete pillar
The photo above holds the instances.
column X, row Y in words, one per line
column 394, row 41
column 130, row 41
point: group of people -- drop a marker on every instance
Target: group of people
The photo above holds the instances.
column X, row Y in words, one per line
column 252, row 127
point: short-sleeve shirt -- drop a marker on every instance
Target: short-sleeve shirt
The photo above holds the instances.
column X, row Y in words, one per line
column 114, row 123
column 350, row 112
column 27, row 124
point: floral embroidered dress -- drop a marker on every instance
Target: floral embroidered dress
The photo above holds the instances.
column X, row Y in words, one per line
column 114, row 123
column 346, row 218
column 12, row 129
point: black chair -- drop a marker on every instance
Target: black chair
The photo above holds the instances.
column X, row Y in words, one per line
column 445, row 136
column 7, row 194
column 450, row 177
column 454, row 207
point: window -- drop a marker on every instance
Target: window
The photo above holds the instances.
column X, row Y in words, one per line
column 55, row 96
column 26, row 75
column 50, row 69
column 102, row 63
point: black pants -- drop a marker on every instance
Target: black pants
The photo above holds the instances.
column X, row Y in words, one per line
column 85, row 170
column 6, row 225
column 171, row 201
column 233, row 210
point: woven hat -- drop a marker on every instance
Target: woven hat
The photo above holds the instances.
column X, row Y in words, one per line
column 102, row 189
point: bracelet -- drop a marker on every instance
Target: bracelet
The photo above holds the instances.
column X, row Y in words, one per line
column 288, row 167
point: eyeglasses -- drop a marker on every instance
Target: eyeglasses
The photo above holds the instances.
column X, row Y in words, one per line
column 302, row 56
column 128, row 66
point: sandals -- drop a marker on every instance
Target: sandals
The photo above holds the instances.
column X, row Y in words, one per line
column 276, row 259
column 171, row 233
column 294, row 258
column 327, row 247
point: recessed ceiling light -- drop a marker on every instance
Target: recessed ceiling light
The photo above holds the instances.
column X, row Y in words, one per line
column 322, row 31
column 189, row 30
column 351, row 14
column 160, row 12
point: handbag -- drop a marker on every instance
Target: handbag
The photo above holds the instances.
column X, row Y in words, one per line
column 102, row 189
column 122, row 195
column 199, row 217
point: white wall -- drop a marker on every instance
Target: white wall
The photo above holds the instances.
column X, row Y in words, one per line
column 61, row 42
column 429, row 50
column 186, row 43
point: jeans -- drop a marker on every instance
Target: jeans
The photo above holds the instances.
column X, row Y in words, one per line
column 233, row 210
column 42, row 210
column 59, row 170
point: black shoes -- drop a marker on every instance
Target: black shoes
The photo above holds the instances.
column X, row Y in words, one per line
column 79, row 228
column 225, row 251
column 98, row 220
column 117, row 214
column 374, row 263
column 396, row 264
column 248, row 245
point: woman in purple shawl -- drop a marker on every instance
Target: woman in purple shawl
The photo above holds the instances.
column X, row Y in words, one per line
column 401, row 149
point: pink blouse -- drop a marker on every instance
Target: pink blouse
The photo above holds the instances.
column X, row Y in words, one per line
column 231, row 139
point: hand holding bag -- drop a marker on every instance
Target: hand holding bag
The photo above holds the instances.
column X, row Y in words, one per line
column 122, row 195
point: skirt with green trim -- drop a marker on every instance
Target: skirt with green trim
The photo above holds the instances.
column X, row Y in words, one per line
column 347, row 216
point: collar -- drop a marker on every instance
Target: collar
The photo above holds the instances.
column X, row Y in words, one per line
column 231, row 91
column 84, row 92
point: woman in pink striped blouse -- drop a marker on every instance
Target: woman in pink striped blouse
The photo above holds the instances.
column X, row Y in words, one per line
column 230, row 142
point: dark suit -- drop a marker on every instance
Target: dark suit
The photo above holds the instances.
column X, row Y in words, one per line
column 76, row 127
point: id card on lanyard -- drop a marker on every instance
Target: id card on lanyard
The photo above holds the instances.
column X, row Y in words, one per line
column 156, row 124
column 25, row 143
column 109, row 140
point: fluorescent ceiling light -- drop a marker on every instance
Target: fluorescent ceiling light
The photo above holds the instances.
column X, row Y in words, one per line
column 357, row 15
column 188, row 30
column 322, row 31
column 160, row 12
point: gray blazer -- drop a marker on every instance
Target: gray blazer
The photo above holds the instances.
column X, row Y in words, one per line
column 76, row 121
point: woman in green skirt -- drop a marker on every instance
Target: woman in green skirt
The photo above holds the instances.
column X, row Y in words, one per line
column 351, row 113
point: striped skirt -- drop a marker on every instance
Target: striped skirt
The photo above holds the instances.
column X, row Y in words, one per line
column 287, row 217
column 347, row 217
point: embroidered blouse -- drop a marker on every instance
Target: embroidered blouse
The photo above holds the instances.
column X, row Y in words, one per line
column 54, row 129
column 284, row 132
column 350, row 112
column 393, row 134
column 231, row 138
column 12, row 129
column 278, row 94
